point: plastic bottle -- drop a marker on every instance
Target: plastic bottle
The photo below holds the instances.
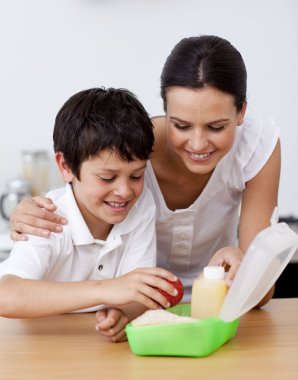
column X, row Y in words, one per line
column 36, row 170
column 208, row 293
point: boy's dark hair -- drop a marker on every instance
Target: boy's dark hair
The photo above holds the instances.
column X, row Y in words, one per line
column 102, row 119
column 197, row 62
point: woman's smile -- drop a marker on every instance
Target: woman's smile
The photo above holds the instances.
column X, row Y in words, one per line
column 200, row 157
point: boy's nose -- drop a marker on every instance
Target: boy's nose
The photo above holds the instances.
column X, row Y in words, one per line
column 123, row 190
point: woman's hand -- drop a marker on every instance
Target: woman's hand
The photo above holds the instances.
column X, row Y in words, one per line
column 111, row 323
column 230, row 258
column 141, row 286
column 35, row 216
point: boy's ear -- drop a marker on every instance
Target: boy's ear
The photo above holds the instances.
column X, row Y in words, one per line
column 241, row 114
column 65, row 171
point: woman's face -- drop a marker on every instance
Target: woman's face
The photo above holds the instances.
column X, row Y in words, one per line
column 201, row 125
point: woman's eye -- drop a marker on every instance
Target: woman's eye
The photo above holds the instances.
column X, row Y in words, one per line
column 181, row 126
column 215, row 129
column 108, row 180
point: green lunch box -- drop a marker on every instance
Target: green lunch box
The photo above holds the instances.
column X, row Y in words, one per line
column 263, row 262
column 197, row 339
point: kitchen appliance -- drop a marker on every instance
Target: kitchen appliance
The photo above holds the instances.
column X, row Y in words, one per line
column 17, row 189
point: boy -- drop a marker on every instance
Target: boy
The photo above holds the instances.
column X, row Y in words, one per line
column 102, row 140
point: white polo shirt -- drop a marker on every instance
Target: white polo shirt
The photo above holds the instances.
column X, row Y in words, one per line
column 188, row 238
column 74, row 255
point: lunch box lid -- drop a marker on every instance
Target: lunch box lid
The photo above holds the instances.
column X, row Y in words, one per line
column 263, row 262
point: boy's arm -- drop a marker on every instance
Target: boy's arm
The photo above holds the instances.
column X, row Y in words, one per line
column 111, row 322
column 23, row 298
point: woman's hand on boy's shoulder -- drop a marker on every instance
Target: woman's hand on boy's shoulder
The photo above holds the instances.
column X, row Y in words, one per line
column 111, row 323
column 230, row 258
column 35, row 216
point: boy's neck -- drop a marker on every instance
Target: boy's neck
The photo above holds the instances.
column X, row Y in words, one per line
column 98, row 228
column 100, row 232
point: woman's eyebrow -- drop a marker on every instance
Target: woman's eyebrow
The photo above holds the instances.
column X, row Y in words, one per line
column 174, row 118
column 219, row 120
column 178, row 119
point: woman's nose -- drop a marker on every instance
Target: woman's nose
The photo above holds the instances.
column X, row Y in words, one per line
column 198, row 140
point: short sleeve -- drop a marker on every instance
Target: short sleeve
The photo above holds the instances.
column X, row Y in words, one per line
column 257, row 141
column 29, row 259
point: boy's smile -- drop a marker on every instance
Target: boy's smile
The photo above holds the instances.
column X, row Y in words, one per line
column 107, row 190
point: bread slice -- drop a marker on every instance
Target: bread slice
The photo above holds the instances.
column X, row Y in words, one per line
column 160, row 317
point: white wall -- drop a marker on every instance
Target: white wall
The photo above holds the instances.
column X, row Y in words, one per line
column 51, row 49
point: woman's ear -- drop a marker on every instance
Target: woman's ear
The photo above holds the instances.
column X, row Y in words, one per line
column 64, row 169
column 241, row 114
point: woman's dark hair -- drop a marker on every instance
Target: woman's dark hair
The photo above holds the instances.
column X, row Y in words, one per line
column 197, row 62
column 102, row 119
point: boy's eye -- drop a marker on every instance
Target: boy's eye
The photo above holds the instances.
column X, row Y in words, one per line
column 136, row 177
column 108, row 180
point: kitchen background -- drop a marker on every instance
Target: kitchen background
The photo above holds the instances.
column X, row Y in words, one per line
column 51, row 49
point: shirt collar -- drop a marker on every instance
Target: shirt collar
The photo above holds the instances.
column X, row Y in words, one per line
column 78, row 228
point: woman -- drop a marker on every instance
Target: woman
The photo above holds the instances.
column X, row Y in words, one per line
column 208, row 163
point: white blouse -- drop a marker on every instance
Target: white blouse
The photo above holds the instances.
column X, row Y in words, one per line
column 187, row 238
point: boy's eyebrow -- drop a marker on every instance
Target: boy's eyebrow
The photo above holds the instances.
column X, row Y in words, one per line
column 117, row 170
column 174, row 118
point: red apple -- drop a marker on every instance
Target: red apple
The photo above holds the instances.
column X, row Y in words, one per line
column 174, row 300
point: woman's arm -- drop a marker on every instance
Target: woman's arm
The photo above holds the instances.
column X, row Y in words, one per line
column 260, row 197
column 24, row 298
column 35, row 216
column 258, row 202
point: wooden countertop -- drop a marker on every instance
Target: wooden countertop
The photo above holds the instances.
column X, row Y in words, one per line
column 68, row 347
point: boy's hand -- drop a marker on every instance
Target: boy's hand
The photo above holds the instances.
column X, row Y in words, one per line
column 111, row 323
column 35, row 216
column 140, row 285
column 230, row 258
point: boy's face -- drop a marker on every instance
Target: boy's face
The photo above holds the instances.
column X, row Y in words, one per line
column 107, row 190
